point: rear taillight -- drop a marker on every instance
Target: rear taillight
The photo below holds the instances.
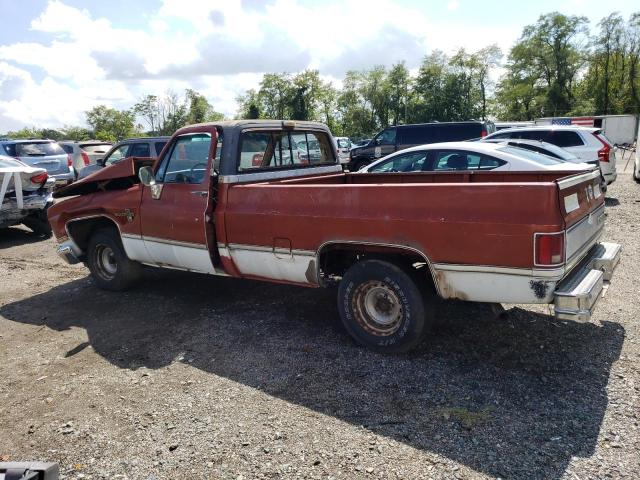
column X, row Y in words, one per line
column 483, row 133
column 69, row 160
column 85, row 158
column 41, row 178
column 605, row 151
column 549, row 249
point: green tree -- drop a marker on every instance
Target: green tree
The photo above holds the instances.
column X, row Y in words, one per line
column 111, row 124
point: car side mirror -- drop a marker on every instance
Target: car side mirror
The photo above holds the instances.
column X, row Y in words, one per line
column 100, row 162
column 146, row 176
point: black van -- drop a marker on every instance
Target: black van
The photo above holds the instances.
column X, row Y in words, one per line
column 392, row 139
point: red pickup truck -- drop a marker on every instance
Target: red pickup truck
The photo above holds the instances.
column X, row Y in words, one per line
column 390, row 240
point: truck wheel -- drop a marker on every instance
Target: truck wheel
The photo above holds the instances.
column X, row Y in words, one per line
column 38, row 224
column 109, row 265
column 382, row 307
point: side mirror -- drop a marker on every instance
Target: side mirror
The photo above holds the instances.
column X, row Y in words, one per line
column 145, row 174
column 100, row 162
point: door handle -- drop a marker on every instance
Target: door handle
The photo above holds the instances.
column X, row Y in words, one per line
column 202, row 193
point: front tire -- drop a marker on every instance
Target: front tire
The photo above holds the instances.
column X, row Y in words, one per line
column 110, row 267
column 382, row 307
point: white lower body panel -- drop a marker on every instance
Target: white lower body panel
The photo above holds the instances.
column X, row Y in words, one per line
column 297, row 266
column 496, row 284
column 164, row 253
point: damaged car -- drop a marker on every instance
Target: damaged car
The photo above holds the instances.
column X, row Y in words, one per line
column 25, row 196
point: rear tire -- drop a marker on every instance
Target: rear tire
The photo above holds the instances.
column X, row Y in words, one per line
column 110, row 267
column 382, row 307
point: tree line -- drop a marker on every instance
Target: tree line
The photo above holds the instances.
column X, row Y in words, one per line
column 558, row 67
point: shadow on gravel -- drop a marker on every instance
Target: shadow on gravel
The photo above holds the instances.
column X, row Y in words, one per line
column 515, row 398
column 13, row 237
column 611, row 202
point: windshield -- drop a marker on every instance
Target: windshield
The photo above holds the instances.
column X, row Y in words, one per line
column 529, row 155
column 34, row 149
column 343, row 143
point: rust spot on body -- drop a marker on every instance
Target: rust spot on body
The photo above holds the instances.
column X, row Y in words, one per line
column 446, row 290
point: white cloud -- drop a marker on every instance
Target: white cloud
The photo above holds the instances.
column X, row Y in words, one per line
column 218, row 47
column 453, row 5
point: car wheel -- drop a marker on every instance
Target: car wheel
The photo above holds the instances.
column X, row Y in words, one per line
column 110, row 267
column 38, row 224
column 382, row 307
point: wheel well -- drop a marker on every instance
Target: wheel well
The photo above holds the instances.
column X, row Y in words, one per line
column 336, row 259
column 80, row 231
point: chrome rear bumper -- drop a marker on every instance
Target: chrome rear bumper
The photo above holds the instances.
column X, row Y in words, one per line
column 576, row 296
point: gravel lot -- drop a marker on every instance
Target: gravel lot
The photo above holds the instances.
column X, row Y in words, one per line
column 191, row 376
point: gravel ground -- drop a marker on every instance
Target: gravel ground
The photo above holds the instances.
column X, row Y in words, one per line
column 191, row 376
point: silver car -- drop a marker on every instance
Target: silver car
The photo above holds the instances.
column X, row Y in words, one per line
column 45, row 154
column 86, row 152
column 25, row 195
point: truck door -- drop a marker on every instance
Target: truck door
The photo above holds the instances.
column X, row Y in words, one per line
column 176, row 231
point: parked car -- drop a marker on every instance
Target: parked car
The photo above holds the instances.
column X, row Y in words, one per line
column 133, row 147
column 392, row 139
column 469, row 156
column 25, row 195
column 86, row 152
column 541, row 147
column 344, row 147
column 390, row 242
column 588, row 144
column 45, row 154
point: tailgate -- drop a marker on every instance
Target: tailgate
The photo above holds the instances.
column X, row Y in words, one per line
column 582, row 206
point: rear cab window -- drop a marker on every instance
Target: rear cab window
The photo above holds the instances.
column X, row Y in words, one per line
column 282, row 149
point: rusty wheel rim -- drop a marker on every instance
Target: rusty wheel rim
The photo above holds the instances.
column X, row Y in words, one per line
column 106, row 263
column 378, row 308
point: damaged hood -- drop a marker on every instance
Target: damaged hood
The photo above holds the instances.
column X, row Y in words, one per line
column 121, row 175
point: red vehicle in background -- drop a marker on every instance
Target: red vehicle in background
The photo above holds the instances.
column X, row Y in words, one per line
column 390, row 241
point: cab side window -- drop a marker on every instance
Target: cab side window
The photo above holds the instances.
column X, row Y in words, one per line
column 265, row 150
column 188, row 160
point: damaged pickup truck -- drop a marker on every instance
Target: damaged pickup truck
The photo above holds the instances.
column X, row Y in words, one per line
column 238, row 199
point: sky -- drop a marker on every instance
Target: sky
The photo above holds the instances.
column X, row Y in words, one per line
column 59, row 58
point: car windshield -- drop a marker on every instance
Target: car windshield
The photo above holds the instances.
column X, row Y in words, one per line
column 529, row 155
column 343, row 143
column 34, row 149
column 9, row 163
column 96, row 147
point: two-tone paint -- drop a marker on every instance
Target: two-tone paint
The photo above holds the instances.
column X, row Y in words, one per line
column 475, row 232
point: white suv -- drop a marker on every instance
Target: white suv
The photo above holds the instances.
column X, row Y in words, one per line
column 588, row 144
